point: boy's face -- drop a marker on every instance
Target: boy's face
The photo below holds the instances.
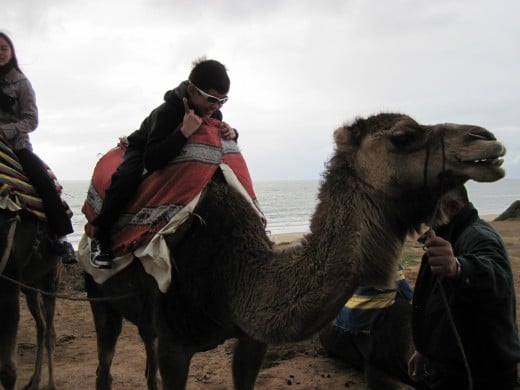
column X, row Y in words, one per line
column 205, row 102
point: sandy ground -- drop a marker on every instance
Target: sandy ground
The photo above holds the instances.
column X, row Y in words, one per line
column 294, row 366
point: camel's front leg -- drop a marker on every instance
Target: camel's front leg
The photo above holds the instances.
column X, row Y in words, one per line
column 247, row 360
column 108, row 325
column 36, row 308
column 49, row 306
column 10, row 309
column 174, row 362
column 150, row 344
column 42, row 308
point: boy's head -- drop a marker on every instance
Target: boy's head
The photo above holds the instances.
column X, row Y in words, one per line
column 208, row 88
column 210, row 74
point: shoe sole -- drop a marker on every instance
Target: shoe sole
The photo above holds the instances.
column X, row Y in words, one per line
column 101, row 265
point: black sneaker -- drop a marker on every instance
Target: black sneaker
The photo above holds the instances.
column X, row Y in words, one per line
column 99, row 256
column 66, row 251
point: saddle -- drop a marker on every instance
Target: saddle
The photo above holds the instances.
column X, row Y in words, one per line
column 16, row 192
column 164, row 201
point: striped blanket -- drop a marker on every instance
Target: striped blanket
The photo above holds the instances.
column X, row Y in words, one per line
column 164, row 200
column 16, row 192
column 368, row 304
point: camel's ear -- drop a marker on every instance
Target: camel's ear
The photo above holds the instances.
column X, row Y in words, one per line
column 347, row 137
column 341, row 138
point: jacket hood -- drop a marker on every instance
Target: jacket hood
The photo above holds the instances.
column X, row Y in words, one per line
column 13, row 75
column 177, row 93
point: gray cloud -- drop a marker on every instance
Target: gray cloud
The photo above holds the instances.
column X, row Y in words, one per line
column 299, row 69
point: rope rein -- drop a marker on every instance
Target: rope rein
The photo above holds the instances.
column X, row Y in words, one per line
column 67, row 297
column 9, row 246
column 5, row 257
column 439, row 280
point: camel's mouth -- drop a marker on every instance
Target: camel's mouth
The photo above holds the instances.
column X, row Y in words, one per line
column 493, row 161
column 482, row 169
column 487, row 156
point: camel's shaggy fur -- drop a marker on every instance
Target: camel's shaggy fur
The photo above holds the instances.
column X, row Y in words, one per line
column 382, row 182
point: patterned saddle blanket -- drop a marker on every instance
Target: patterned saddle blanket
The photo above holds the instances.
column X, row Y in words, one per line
column 165, row 199
column 16, row 192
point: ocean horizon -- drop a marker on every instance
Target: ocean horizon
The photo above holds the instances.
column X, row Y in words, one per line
column 289, row 204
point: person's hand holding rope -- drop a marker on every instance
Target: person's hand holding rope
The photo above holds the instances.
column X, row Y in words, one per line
column 441, row 259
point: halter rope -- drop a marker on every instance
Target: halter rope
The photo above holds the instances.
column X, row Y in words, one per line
column 67, row 297
column 442, row 290
column 9, row 243
column 5, row 257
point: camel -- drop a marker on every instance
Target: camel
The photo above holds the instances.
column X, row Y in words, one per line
column 30, row 260
column 383, row 180
column 384, row 353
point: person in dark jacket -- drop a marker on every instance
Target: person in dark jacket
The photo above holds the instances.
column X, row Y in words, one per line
column 19, row 117
column 160, row 138
column 466, row 261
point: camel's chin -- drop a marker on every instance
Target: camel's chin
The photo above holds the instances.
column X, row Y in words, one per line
column 486, row 175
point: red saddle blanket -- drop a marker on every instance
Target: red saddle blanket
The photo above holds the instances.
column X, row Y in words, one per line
column 163, row 193
column 16, row 191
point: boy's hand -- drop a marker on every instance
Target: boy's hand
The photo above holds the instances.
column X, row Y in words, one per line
column 191, row 121
column 226, row 131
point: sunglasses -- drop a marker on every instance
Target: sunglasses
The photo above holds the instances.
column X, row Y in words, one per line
column 210, row 98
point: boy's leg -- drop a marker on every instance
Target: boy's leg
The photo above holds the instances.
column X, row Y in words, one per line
column 123, row 187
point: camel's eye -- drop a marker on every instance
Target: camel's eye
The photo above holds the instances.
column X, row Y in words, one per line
column 403, row 138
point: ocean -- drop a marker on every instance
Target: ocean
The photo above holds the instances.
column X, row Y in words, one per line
column 288, row 205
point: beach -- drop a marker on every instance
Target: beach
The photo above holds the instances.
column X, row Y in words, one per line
column 302, row 365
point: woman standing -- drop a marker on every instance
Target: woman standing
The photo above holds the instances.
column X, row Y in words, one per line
column 18, row 117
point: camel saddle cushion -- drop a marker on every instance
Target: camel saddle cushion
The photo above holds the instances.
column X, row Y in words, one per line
column 16, row 192
column 164, row 200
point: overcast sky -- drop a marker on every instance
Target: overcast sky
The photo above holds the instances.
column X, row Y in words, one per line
column 298, row 68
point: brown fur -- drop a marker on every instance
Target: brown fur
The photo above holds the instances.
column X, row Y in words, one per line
column 382, row 182
column 32, row 263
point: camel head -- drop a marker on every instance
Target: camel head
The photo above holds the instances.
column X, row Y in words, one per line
column 395, row 155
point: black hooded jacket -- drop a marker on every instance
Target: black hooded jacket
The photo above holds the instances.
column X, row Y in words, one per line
column 482, row 301
column 159, row 136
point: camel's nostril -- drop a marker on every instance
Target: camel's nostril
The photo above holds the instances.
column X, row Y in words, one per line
column 480, row 133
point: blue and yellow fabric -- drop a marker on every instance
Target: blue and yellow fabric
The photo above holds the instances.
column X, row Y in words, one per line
column 363, row 309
